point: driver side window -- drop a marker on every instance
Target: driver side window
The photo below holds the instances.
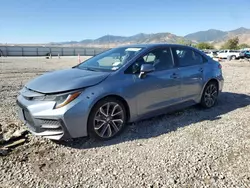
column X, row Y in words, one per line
column 149, row 58
column 160, row 58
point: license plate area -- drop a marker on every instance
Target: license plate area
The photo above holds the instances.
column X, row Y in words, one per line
column 27, row 118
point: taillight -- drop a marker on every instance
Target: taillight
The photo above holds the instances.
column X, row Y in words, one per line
column 220, row 66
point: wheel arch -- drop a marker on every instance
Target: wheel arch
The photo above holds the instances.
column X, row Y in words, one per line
column 118, row 97
column 213, row 80
column 209, row 81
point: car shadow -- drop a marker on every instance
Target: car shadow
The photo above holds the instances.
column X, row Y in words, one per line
column 164, row 124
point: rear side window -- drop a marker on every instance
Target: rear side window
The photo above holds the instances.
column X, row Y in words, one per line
column 186, row 57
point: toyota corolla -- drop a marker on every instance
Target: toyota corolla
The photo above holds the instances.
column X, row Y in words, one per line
column 101, row 95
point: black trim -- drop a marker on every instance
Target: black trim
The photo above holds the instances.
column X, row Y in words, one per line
column 66, row 134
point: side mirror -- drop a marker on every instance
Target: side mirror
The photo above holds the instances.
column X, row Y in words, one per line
column 145, row 69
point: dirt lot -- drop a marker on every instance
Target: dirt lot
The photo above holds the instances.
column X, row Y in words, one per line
column 190, row 148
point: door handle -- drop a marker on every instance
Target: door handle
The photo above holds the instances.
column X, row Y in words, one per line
column 201, row 69
column 174, row 75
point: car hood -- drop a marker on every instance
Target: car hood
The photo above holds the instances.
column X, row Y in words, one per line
column 66, row 80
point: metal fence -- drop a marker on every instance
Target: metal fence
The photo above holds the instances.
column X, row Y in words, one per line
column 44, row 51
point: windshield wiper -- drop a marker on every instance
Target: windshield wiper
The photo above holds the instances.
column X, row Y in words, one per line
column 91, row 69
column 88, row 68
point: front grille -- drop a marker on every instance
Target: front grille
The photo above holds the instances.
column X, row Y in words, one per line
column 49, row 123
column 55, row 131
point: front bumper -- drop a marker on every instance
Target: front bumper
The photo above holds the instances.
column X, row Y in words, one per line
column 43, row 120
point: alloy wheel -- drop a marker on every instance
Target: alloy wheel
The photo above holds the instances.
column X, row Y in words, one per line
column 210, row 95
column 109, row 120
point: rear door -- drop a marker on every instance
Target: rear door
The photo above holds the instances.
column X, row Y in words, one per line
column 191, row 69
column 224, row 54
column 220, row 53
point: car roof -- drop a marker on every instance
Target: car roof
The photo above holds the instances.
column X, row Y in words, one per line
column 153, row 45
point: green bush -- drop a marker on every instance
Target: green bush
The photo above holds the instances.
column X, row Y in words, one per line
column 231, row 44
column 241, row 46
column 204, row 46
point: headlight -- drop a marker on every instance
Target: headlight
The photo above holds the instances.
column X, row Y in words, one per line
column 61, row 99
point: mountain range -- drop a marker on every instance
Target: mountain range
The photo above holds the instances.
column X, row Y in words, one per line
column 216, row 37
column 111, row 40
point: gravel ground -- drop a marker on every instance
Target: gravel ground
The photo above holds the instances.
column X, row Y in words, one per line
column 189, row 148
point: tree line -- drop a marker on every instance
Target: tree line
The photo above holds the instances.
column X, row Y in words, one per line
column 232, row 44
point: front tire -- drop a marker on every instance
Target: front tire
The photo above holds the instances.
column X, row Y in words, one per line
column 210, row 95
column 233, row 57
column 107, row 119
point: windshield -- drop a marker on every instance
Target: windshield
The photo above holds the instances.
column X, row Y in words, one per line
column 110, row 60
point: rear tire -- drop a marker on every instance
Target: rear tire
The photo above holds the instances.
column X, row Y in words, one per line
column 233, row 57
column 210, row 95
column 107, row 119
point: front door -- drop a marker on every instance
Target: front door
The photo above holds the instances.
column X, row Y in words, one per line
column 160, row 88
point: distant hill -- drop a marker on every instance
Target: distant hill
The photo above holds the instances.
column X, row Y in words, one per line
column 209, row 35
column 112, row 40
column 217, row 37
column 213, row 35
column 239, row 31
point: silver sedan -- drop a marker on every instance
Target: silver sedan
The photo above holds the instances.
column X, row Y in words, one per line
column 101, row 95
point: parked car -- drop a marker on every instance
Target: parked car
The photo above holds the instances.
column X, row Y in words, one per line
column 101, row 95
column 211, row 54
column 234, row 54
column 245, row 54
